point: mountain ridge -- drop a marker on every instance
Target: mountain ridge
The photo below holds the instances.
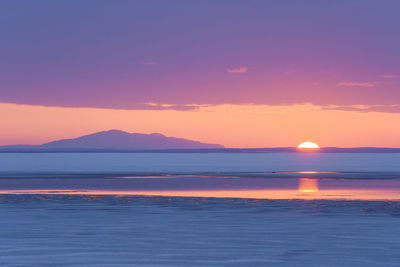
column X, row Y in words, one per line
column 120, row 140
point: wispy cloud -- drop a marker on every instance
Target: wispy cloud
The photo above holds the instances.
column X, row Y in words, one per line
column 148, row 62
column 365, row 108
column 163, row 106
column 357, row 84
column 389, row 76
column 237, row 70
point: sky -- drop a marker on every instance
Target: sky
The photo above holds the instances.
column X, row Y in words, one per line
column 252, row 73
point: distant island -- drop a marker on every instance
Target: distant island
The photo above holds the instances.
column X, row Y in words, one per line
column 120, row 141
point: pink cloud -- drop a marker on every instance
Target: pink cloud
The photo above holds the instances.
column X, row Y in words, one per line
column 148, row 62
column 389, row 76
column 357, row 84
column 237, row 70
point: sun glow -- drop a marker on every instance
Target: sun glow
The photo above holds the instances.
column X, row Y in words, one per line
column 308, row 145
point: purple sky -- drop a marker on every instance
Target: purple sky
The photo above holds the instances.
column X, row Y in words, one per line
column 123, row 54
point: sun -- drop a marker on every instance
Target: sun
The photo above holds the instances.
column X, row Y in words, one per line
column 308, row 144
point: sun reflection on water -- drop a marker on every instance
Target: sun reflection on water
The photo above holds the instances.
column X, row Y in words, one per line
column 308, row 185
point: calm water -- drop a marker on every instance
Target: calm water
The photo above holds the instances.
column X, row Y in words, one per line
column 148, row 209
column 196, row 162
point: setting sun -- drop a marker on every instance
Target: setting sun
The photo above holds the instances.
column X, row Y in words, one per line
column 308, row 145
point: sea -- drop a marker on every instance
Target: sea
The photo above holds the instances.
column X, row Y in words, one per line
column 199, row 209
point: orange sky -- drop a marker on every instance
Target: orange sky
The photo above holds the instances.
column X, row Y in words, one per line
column 230, row 125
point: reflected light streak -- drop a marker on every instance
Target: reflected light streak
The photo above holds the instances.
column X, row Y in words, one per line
column 328, row 194
column 169, row 176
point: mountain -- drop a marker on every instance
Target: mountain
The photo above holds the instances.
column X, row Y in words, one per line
column 120, row 140
column 117, row 140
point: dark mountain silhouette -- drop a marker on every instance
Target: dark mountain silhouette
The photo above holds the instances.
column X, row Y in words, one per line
column 120, row 140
